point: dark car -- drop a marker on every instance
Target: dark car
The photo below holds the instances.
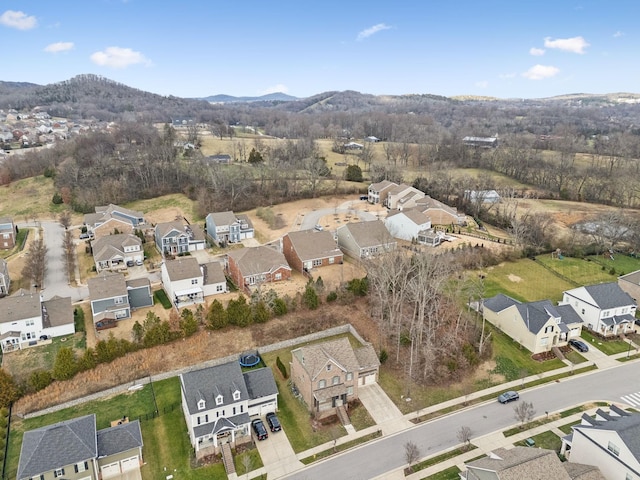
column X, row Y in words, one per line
column 258, row 427
column 579, row 345
column 273, row 422
column 130, row 263
column 509, row 396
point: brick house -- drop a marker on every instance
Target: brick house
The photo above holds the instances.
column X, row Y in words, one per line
column 252, row 266
column 307, row 249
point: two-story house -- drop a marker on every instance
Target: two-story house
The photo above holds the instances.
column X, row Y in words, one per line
column 308, row 249
column 5, row 280
column 252, row 266
column 538, row 326
column 218, row 403
column 403, row 196
column 74, row 449
column 377, row 192
column 111, row 219
column 7, row 233
column 411, row 225
column 328, row 374
column 26, row 319
column 112, row 252
column 214, row 281
column 109, row 300
column 183, row 281
column 630, row 283
column 365, row 239
column 176, row 238
column 227, row 227
column 604, row 308
column 440, row 213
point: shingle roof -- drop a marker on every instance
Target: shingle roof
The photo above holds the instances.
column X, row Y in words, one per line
column 119, row 438
column 380, row 186
column 213, row 273
column 57, row 311
column 369, row 234
column 19, row 307
column 633, row 277
column 107, row 285
column 627, row 427
column 260, row 383
column 182, row 268
column 518, row 463
column 164, row 228
column 604, row 295
column 499, row 302
column 223, row 218
column 257, row 260
column 314, row 358
column 207, row 383
column 58, row 445
column 312, row 244
column 106, row 247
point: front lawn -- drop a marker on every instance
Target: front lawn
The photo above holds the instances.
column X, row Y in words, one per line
column 451, row 473
column 548, row 440
column 608, row 347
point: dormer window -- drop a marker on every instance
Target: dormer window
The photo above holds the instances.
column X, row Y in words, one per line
column 236, row 395
column 219, row 400
column 201, row 404
column 328, row 367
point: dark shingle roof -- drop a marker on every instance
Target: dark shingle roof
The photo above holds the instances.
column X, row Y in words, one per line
column 627, row 427
column 119, row 438
column 260, row 383
column 58, row 445
column 499, row 302
column 207, row 383
column 605, row 295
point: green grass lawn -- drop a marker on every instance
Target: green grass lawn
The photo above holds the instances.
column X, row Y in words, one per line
column 548, row 440
column 622, row 264
column 524, row 280
column 581, row 271
column 574, row 357
column 450, row 473
column 567, row 427
column 609, row 347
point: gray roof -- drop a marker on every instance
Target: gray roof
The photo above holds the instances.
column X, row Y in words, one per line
column 608, row 295
column 383, row 185
column 19, row 307
column 258, row 260
column 221, row 424
column 312, row 244
column 182, row 268
column 518, row 463
column 119, row 438
column 427, row 203
column 57, row 311
column 213, row 273
column 633, row 277
column 314, row 358
column 107, row 285
column 223, row 218
column 627, row 427
column 499, row 302
column 106, row 247
column 260, row 383
column 369, row 234
column 164, row 228
column 58, row 445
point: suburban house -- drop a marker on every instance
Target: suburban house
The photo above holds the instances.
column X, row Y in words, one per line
column 484, row 142
column 112, row 218
column 630, row 283
column 537, row 326
column 175, row 238
column 604, row 308
column 403, row 196
column 112, row 252
column 7, row 233
column 377, row 192
column 220, row 159
column 353, row 146
column 440, row 213
column 5, row 280
column 183, row 280
column 74, row 449
column 372, row 139
column 308, row 249
column 213, row 279
column 253, row 266
column 521, row 462
column 329, row 374
column 608, row 441
column 219, row 402
column 26, row 319
column 113, row 298
column 411, row 225
column 482, row 196
column 365, row 239
column 227, row 227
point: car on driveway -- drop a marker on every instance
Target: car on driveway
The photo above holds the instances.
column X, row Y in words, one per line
column 579, row 345
column 259, row 429
column 509, row 396
column 273, row 422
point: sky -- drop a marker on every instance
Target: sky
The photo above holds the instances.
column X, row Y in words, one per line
column 198, row 48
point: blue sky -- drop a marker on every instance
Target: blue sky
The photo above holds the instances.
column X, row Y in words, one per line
column 196, row 48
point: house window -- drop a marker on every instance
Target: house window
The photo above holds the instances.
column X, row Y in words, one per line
column 628, row 477
column 30, row 323
column 198, row 420
column 613, row 448
column 201, row 405
column 317, row 263
column 119, row 300
column 234, row 411
column 219, row 400
column 194, row 281
column 544, row 341
column 583, row 311
column 236, row 395
column 322, row 383
column 548, row 329
column 328, row 367
column 278, row 276
column 58, row 472
column 81, row 467
column 219, row 288
column 349, row 376
column 349, row 390
column 331, row 260
column 605, row 314
column 335, row 380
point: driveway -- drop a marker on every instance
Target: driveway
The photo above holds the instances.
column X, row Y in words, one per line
column 277, row 455
column 383, row 411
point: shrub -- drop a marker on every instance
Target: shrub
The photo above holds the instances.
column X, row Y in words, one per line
column 281, row 367
column 161, row 297
column 279, row 307
column 78, row 319
column 384, row 355
column 332, row 297
column 40, row 379
column 56, row 199
column 310, row 297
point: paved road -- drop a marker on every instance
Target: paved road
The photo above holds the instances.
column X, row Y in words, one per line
column 387, row 454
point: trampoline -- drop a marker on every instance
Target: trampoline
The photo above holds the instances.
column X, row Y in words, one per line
column 249, row 359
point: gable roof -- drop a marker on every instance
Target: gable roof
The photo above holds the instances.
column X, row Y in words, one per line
column 627, row 427
column 603, row 295
column 633, row 277
column 162, row 229
column 260, row 383
column 257, row 260
column 427, row 203
column 19, row 306
column 182, row 268
column 413, row 214
column 223, row 218
column 383, row 185
column 213, row 273
column 313, row 244
column 57, row 311
column 119, row 438
column 107, row 285
column 106, row 247
column 58, row 445
column 369, row 234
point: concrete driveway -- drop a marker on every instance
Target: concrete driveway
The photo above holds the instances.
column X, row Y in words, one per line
column 383, row 411
column 277, row 455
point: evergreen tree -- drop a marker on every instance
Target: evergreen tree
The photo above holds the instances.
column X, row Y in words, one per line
column 217, row 316
column 65, row 366
column 310, row 297
column 239, row 312
column 188, row 323
column 260, row 312
column 9, row 392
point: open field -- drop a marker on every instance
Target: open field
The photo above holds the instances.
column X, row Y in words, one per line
column 578, row 270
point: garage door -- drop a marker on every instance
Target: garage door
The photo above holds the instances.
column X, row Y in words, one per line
column 369, row 379
column 269, row 407
column 110, row 470
column 130, row 464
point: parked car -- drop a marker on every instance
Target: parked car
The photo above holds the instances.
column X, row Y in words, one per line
column 259, row 429
column 130, row 263
column 139, row 262
column 273, row 422
column 509, row 396
column 318, row 228
column 579, row 345
column 85, row 236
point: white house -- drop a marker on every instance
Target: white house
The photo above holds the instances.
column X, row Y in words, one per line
column 213, row 279
column 183, row 280
column 407, row 224
column 227, row 227
column 403, row 196
column 25, row 319
column 604, row 308
column 219, row 402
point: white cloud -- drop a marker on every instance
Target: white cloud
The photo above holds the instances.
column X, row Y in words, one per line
column 507, row 75
column 536, row 52
column 482, row 84
column 279, row 88
column 540, row 72
column 574, row 44
column 618, row 34
column 59, row 47
column 19, row 20
column 116, row 57
column 372, row 30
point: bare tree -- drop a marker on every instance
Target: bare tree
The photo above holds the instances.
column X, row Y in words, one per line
column 247, row 464
column 411, row 453
column 524, row 412
column 35, row 266
column 69, row 254
column 65, row 219
column 464, row 436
